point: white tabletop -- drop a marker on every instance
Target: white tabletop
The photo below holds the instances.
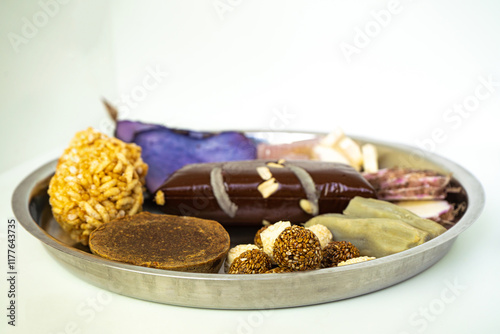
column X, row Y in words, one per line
column 426, row 74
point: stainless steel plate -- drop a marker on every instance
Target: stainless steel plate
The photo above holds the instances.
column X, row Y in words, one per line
column 222, row 291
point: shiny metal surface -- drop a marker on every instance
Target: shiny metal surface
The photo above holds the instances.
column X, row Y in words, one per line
column 222, row 291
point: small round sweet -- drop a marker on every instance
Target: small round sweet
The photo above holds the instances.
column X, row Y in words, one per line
column 97, row 179
column 253, row 261
column 323, row 233
column 297, row 248
column 338, row 251
column 279, row 270
column 257, row 240
column 235, row 252
column 270, row 234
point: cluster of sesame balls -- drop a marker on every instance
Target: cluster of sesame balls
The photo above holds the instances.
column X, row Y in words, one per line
column 283, row 247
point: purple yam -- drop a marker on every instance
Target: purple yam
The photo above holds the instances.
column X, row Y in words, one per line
column 127, row 130
column 166, row 150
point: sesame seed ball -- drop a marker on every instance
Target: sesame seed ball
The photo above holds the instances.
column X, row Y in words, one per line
column 235, row 252
column 338, row 251
column 253, row 261
column 297, row 248
column 270, row 234
column 257, row 239
column 279, row 270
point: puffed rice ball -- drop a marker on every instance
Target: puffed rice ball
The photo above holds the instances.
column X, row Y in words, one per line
column 97, row 179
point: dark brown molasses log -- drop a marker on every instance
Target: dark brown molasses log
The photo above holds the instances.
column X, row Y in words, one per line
column 253, row 191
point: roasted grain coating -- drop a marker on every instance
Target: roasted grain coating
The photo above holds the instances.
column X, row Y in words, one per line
column 97, row 179
column 297, row 248
column 253, row 261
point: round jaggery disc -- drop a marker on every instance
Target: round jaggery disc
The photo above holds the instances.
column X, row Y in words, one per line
column 163, row 241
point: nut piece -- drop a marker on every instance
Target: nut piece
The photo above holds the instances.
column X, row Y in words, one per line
column 257, row 239
column 269, row 235
column 264, row 173
column 274, row 165
column 253, row 261
column 235, row 252
column 338, row 251
column 279, row 270
column 269, row 187
column 297, row 248
column 323, row 233
column 355, row 260
column 160, row 197
column 97, row 179
column 306, row 205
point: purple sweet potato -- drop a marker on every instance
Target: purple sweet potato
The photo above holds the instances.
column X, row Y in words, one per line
column 165, row 150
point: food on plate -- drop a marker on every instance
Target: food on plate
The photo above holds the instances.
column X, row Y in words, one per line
column 163, row 241
column 297, row 248
column 235, row 192
column 337, row 147
column 290, row 248
column 270, row 234
column 297, row 150
column 166, row 150
column 440, row 211
column 376, row 237
column 373, row 208
column 257, row 240
column 370, row 158
column 356, row 260
column 333, row 147
column 97, row 179
column 337, row 251
column 323, row 233
column 236, row 251
column 398, row 184
column 253, row 261
column 427, row 193
column 203, row 180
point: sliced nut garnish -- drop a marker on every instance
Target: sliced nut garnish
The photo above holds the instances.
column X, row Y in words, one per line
column 274, row 165
column 160, row 198
column 264, row 172
column 306, row 205
column 269, row 187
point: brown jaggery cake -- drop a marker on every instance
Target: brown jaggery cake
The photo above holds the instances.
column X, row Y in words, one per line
column 163, row 241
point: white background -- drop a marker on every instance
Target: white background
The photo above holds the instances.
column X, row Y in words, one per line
column 411, row 66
